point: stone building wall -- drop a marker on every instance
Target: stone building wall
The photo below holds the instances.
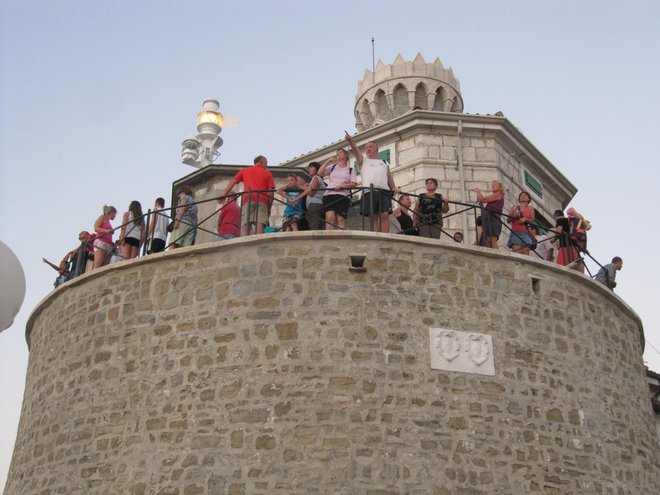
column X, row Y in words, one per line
column 263, row 365
column 653, row 380
column 484, row 160
column 425, row 144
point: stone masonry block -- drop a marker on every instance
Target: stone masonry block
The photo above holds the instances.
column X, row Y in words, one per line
column 448, row 153
column 487, row 155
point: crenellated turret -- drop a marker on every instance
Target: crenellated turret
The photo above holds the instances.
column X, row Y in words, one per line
column 397, row 88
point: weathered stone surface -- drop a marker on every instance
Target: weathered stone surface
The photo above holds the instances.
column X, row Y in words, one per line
column 299, row 384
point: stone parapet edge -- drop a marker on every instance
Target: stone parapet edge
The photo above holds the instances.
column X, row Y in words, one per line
column 259, row 239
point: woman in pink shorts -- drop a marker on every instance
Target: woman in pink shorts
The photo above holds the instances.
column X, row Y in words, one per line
column 103, row 242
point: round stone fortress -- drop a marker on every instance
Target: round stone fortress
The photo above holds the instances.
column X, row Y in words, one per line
column 266, row 365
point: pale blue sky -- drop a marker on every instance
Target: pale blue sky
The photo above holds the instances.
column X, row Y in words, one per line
column 95, row 98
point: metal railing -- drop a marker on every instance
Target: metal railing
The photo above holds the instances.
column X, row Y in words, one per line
column 566, row 241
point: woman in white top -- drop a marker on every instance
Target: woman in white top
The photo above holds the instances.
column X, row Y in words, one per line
column 132, row 231
column 341, row 179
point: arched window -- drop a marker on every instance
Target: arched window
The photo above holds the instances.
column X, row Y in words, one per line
column 439, row 100
column 420, row 96
column 365, row 114
column 401, row 104
column 383, row 111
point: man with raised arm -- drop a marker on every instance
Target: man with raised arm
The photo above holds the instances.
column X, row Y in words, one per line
column 256, row 208
column 375, row 173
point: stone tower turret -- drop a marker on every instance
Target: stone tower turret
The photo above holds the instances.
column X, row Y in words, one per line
column 395, row 89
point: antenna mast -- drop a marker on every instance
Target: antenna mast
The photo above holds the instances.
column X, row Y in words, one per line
column 373, row 62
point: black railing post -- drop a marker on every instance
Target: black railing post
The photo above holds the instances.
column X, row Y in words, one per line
column 146, row 233
column 256, row 213
column 371, row 206
column 240, row 220
column 249, row 214
column 81, row 259
column 361, row 208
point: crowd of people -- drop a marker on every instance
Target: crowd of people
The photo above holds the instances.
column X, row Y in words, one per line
column 100, row 248
column 323, row 203
column 566, row 244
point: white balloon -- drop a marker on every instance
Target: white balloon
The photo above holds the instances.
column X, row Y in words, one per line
column 12, row 286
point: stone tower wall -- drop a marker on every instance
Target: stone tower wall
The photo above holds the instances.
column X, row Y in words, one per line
column 425, row 144
column 264, row 365
column 485, row 159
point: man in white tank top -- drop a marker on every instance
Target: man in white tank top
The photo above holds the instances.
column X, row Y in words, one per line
column 158, row 227
column 375, row 173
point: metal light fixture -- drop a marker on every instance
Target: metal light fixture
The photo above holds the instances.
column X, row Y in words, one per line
column 201, row 150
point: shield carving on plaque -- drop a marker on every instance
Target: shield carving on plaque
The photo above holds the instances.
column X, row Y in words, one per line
column 478, row 349
column 448, row 344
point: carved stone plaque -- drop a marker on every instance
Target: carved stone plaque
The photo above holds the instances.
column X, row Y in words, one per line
column 464, row 352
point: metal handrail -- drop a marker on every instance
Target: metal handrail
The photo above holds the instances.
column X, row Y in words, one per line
column 352, row 193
